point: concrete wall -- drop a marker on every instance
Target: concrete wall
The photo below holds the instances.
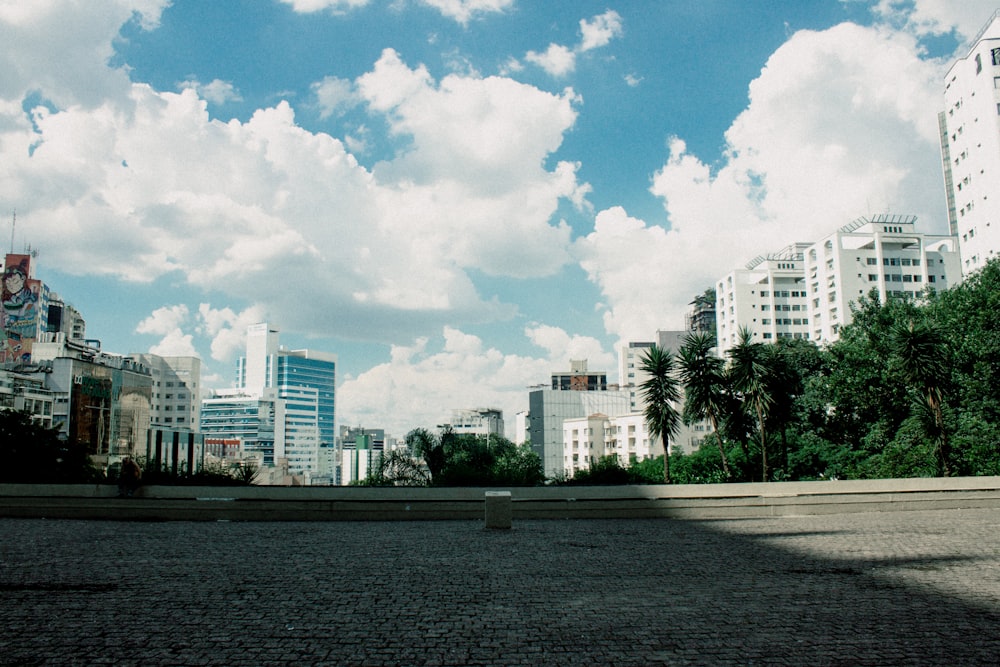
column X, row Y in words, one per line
column 708, row 501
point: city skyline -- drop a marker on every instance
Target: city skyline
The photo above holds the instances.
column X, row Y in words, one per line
column 455, row 198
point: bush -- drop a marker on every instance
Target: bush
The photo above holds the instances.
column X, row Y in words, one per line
column 32, row 454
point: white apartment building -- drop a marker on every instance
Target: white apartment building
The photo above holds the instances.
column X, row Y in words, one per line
column 630, row 356
column 805, row 291
column 883, row 253
column 587, row 439
column 176, row 399
column 768, row 297
column 970, row 147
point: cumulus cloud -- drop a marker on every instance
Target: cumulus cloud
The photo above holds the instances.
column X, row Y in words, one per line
column 840, row 123
column 559, row 60
column 227, row 329
column 936, row 17
column 562, row 347
column 216, row 91
column 420, row 386
column 600, row 30
column 167, row 323
column 61, row 50
column 464, row 11
column 263, row 209
column 334, row 95
column 332, row 6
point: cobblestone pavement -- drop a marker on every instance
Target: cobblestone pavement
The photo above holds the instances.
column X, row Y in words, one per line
column 901, row 588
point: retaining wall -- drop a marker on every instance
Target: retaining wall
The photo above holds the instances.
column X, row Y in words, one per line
column 708, row 501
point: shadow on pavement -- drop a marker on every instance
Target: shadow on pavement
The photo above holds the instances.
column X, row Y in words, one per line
column 631, row 592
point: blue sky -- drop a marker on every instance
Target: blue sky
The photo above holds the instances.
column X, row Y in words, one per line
column 455, row 196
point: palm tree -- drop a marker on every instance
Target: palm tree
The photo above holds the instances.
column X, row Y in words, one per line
column 920, row 355
column 661, row 390
column 748, row 375
column 703, row 375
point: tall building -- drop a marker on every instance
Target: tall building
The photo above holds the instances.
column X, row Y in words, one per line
column 883, row 253
column 256, row 421
column 359, row 451
column 701, row 317
column 25, row 309
column 768, row 297
column 176, row 391
column 302, row 386
column 630, row 357
column 805, row 291
column 548, row 408
column 970, row 147
column 99, row 399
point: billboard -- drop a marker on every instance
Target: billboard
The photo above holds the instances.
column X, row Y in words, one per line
column 20, row 315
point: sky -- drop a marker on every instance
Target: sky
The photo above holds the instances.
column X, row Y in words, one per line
column 456, row 197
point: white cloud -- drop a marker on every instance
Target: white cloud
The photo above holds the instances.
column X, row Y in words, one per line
column 840, row 123
column 227, row 329
column 935, row 17
column 419, row 387
column 263, row 209
column 61, row 50
column 333, row 6
column 464, row 11
column 216, row 91
column 562, row 347
column 334, row 95
column 167, row 323
column 600, row 30
column 557, row 60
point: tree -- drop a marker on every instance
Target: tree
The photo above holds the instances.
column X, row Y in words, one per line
column 661, row 390
column 424, row 444
column 921, row 358
column 396, row 468
column 703, row 375
column 749, row 377
column 34, row 454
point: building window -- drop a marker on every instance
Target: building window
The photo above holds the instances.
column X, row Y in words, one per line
column 979, row 63
column 995, row 55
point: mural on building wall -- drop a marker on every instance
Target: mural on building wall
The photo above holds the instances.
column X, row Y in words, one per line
column 20, row 315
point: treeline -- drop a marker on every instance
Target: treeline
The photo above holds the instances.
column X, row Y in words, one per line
column 908, row 390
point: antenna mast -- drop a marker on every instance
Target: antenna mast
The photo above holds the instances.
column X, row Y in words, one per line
column 13, row 226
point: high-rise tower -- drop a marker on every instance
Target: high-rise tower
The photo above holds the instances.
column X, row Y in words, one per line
column 970, row 147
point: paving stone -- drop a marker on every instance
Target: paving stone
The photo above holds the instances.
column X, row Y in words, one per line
column 896, row 588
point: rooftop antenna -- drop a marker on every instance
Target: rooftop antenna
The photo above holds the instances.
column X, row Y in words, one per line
column 13, row 226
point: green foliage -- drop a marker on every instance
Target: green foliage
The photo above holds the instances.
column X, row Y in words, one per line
column 661, row 390
column 214, row 474
column 396, row 468
column 473, row 460
column 32, row 454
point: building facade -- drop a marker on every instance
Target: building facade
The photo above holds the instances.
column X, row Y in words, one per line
column 883, row 253
column 477, row 421
column 588, row 439
column 970, row 147
column 768, row 297
column 298, row 385
column 547, row 410
column 176, row 400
